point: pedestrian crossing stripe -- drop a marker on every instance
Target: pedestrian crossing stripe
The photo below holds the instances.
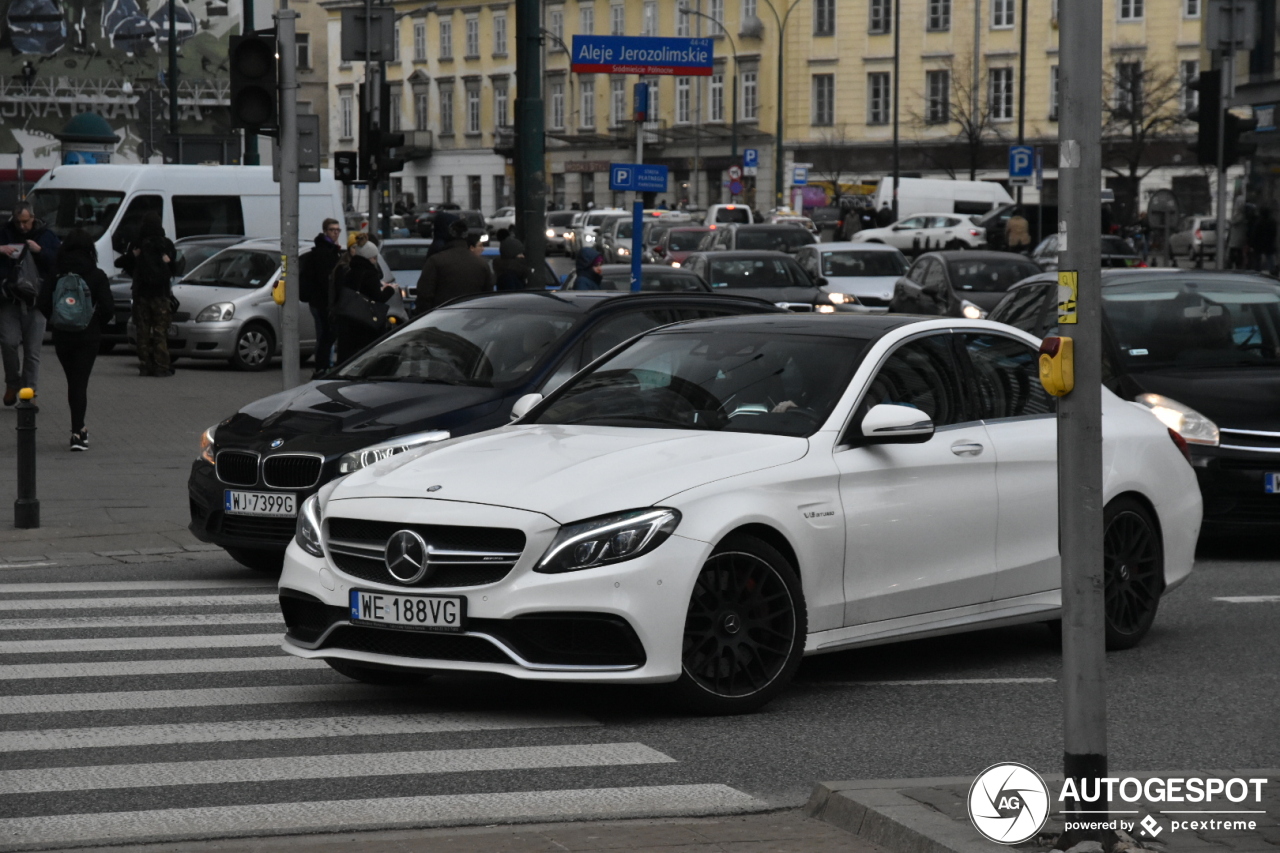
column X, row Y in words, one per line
column 128, row 586
column 130, row 644
column 172, row 666
column 242, row 600
column 161, row 620
column 137, row 700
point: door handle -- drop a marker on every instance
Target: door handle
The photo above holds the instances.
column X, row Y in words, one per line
column 966, row 448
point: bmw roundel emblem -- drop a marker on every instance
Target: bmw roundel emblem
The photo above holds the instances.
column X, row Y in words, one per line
column 277, row 443
column 407, row 556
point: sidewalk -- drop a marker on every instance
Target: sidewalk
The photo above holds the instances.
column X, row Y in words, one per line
column 931, row 816
column 127, row 496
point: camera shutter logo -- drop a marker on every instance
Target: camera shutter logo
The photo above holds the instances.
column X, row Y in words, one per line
column 1008, row 803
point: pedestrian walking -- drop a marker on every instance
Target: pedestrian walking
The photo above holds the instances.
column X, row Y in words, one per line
column 884, row 217
column 28, row 255
column 1264, row 241
column 151, row 260
column 510, row 270
column 453, row 271
column 362, row 274
column 317, row 270
column 590, row 269
column 77, row 303
column 1017, row 233
column 440, row 232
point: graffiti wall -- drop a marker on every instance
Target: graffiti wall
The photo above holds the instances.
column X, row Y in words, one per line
column 63, row 57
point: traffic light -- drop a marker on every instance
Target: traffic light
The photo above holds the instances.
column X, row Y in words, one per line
column 1207, row 114
column 254, row 95
column 1233, row 148
column 388, row 163
column 345, row 167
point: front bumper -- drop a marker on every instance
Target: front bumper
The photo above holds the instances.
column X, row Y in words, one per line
column 209, row 523
column 617, row 623
column 1232, row 483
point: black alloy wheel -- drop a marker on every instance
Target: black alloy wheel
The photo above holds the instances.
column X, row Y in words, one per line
column 744, row 630
column 374, row 674
column 1133, row 571
column 259, row 560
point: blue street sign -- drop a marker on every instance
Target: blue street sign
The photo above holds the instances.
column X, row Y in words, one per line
column 735, row 188
column 800, row 176
column 750, row 157
column 645, row 55
column 1022, row 164
column 632, row 177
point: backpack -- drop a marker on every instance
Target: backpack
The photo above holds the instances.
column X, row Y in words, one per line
column 23, row 281
column 72, row 304
column 150, row 266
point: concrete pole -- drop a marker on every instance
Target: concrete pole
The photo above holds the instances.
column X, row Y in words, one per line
column 285, row 30
column 897, row 152
column 1080, row 527
column 1228, row 89
column 251, row 156
column 1022, row 85
column 372, row 103
column 975, row 89
column 531, row 156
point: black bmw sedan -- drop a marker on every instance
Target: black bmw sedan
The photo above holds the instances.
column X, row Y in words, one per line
column 1202, row 351
column 456, row 370
column 774, row 276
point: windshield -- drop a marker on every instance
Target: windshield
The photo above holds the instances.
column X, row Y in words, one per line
column 686, row 241
column 856, row 264
column 598, row 218
column 473, row 218
column 197, row 253
column 411, row 257
column 623, row 229
column 659, row 280
column 1117, row 246
column 484, row 347
column 1182, row 323
column 756, row 272
column 245, row 268
column 559, row 220
column 713, row 380
column 63, row 211
column 990, row 276
column 773, row 239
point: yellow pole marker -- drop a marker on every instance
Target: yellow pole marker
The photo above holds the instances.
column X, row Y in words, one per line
column 1068, row 290
column 277, row 290
column 1057, row 365
column 27, row 394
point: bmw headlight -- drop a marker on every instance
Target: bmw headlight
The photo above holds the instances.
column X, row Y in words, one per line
column 1194, row 427
column 307, row 533
column 357, row 459
column 207, row 445
column 216, row 312
column 608, row 539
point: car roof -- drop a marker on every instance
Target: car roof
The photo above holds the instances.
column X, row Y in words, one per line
column 586, row 301
column 846, row 246
column 860, row 326
column 743, row 254
column 979, row 255
column 212, row 239
column 619, row 268
column 262, row 245
column 1127, row 276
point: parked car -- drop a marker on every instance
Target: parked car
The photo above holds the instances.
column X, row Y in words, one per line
column 423, row 216
column 959, row 284
column 867, row 271
column 652, row 277
column 677, row 242
column 798, row 221
column 503, row 217
column 586, row 233
column 405, row 257
column 559, row 223
column 453, row 371
column 1201, row 350
column 614, row 240
column 774, row 276
column 918, row 196
column 797, row 484
column 926, row 232
column 1116, row 252
column 765, row 238
column 1197, row 238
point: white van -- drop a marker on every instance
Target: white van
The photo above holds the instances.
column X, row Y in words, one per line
column 729, row 214
column 930, row 195
column 109, row 201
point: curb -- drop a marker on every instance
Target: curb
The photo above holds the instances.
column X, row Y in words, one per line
column 875, row 811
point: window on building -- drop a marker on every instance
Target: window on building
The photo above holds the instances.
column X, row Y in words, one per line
column 1128, row 89
column 617, row 101
column 586, row 19
column 474, row 201
column 1130, row 10
column 882, row 17
column 683, row 19
column 824, row 17
column 1191, row 8
column 1053, row 93
column 395, row 42
column 617, row 19
column 655, row 108
column 824, row 100
column 587, row 98
column 587, row 181
column 1000, row 94
column 716, row 10
column 683, row 100
column 937, row 86
column 346, row 113
column 555, row 26
column 446, row 38
column 303, row 42
column 878, row 97
column 750, row 101
column 446, row 184
column 939, row 15
column 421, row 185
column 500, row 33
column 1002, row 14
column 716, row 112
column 500, row 191
column 649, row 23
column 1190, row 70
column 473, row 108
column 395, row 108
column 421, row 104
column 473, row 35
column 556, row 90
column 446, row 110
column 420, row 42
column 501, row 105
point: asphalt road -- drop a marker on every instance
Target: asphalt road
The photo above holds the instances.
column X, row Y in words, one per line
column 108, row 703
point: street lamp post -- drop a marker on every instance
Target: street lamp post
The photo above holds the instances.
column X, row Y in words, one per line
column 781, row 21
column 733, row 46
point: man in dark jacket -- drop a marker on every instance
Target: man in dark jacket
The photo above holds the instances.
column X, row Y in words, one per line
column 510, row 270
column 21, row 326
column 151, row 259
column 454, row 271
column 317, row 269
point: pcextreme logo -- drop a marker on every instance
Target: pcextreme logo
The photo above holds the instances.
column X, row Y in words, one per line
column 1008, row 803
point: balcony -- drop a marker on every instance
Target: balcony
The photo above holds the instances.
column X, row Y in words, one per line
column 418, row 144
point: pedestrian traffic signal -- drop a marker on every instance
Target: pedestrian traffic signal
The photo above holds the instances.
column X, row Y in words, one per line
column 1208, row 115
column 254, row 95
column 345, row 167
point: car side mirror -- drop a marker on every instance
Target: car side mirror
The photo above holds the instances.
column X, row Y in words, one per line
column 823, row 282
column 893, row 424
column 526, row 403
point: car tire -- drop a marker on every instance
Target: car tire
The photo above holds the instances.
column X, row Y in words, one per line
column 258, row 560
column 375, row 675
column 1133, row 571
column 744, row 629
column 253, row 348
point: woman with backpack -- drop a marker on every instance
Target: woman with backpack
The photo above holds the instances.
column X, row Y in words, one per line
column 152, row 261
column 77, row 302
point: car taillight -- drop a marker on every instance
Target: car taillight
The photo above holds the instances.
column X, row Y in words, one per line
column 1182, row 445
column 975, row 232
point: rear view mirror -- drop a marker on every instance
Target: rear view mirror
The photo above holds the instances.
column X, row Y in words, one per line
column 527, row 402
column 892, row 424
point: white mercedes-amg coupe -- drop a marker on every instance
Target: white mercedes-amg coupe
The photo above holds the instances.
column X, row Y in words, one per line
column 713, row 500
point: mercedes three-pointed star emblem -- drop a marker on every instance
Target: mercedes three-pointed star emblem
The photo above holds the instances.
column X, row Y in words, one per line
column 407, row 557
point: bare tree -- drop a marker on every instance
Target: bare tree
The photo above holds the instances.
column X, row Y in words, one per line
column 1143, row 106
column 969, row 119
column 833, row 158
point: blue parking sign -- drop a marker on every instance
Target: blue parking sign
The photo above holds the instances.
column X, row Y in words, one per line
column 621, row 177
column 1022, row 164
column 750, row 157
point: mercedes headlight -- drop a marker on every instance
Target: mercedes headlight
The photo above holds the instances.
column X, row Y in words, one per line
column 608, row 539
column 1194, row 427
column 357, row 459
column 216, row 312
column 207, row 445
column 307, row 533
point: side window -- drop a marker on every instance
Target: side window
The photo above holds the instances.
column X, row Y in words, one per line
column 571, row 364
column 613, row 331
column 726, row 239
column 809, row 263
column 194, row 215
column 1008, row 377
column 1029, row 309
column 934, row 277
column 127, row 229
column 918, row 270
column 922, row 374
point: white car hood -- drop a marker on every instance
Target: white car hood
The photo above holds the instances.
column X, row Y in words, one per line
column 570, row 472
column 872, row 286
